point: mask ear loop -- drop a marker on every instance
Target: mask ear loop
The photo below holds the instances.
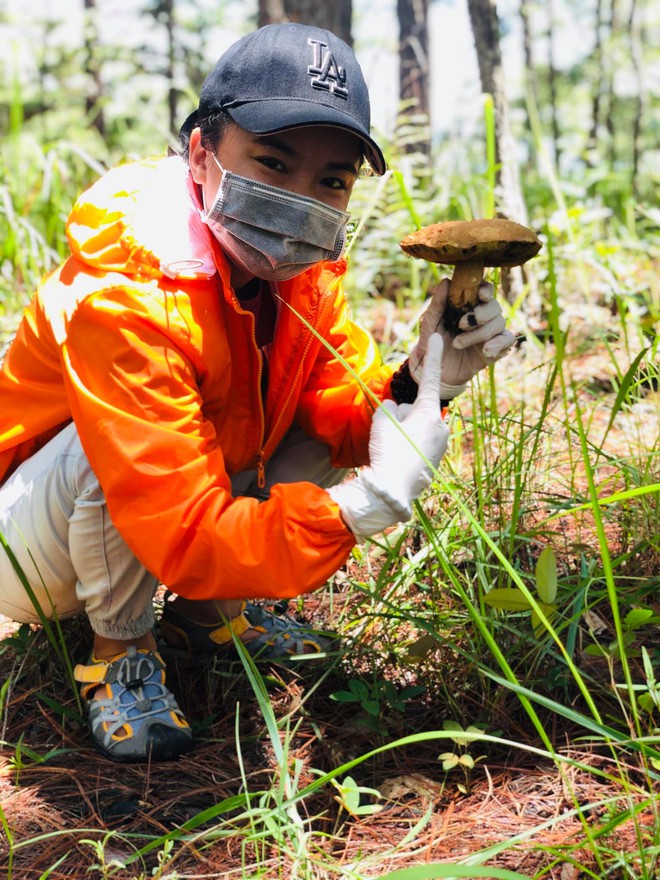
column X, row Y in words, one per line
column 204, row 213
column 217, row 162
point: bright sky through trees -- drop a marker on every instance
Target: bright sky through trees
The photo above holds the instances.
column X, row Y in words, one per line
column 455, row 89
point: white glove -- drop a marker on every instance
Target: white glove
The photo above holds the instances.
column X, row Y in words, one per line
column 482, row 340
column 406, row 444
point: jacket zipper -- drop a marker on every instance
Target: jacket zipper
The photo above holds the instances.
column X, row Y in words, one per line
column 261, row 475
column 261, row 469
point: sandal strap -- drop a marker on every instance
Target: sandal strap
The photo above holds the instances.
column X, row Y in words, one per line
column 203, row 636
column 222, row 635
column 104, row 671
column 95, row 673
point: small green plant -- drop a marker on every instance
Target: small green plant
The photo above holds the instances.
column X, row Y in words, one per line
column 49, row 620
column 650, row 700
column 9, row 834
column 106, row 862
column 377, row 698
column 20, row 640
column 462, row 760
column 350, row 796
column 513, row 599
column 634, row 620
column 24, row 757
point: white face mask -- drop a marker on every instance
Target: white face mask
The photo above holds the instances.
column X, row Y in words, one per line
column 271, row 232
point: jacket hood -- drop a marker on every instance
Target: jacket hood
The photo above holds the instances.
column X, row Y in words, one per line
column 141, row 218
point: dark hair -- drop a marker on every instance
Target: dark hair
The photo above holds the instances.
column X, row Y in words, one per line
column 212, row 129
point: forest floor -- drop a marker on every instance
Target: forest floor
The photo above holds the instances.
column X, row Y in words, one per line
column 424, row 817
column 82, row 793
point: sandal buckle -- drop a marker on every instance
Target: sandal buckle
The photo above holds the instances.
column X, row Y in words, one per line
column 133, row 684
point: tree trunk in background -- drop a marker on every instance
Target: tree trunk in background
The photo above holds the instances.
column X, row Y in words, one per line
column 485, row 28
column 414, row 70
column 609, row 79
column 552, row 84
column 270, row 12
column 596, row 91
column 486, row 31
column 94, row 91
column 604, row 102
column 336, row 16
column 636, row 42
column 530, row 72
column 168, row 13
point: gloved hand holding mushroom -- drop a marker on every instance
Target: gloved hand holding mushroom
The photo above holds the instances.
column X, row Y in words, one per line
column 464, row 310
column 406, row 444
column 482, row 339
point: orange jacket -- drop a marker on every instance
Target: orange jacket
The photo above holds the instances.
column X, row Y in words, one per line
column 139, row 338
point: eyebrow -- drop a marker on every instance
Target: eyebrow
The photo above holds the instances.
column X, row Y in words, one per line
column 288, row 150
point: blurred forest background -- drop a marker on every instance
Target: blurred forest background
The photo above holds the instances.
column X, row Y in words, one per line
column 132, row 70
column 523, row 597
column 572, row 83
column 537, row 111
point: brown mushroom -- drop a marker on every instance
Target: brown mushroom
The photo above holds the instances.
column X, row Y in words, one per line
column 470, row 245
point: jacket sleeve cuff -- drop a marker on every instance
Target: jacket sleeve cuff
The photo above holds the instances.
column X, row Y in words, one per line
column 403, row 387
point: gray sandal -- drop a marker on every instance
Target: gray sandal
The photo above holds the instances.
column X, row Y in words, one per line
column 280, row 636
column 137, row 718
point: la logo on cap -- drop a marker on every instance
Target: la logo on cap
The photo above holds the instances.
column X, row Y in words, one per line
column 325, row 72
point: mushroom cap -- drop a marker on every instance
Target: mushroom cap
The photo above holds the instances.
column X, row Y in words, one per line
column 491, row 242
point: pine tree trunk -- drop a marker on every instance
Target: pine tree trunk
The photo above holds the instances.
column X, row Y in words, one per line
column 414, row 70
column 609, row 77
column 552, row 84
column 94, row 91
column 485, row 28
column 636, row 41
column 168, row 9
column 597, row 56
column 271, row 12
column 336, row 16
column 530, row 71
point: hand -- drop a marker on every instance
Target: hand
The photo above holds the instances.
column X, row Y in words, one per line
column 396, row 472
column 483, row 339
column 406, row 444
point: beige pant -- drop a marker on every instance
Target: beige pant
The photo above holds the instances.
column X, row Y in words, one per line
column 54, row 518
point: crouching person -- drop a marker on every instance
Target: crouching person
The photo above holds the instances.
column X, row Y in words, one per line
column 185, row 394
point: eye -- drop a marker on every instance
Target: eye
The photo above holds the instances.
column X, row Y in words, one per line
column 335, row 183
column 271, row 162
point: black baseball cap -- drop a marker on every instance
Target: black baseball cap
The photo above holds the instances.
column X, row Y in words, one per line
column 284, row 76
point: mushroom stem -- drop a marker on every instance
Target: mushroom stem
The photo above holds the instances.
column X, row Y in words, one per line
column 463, row 289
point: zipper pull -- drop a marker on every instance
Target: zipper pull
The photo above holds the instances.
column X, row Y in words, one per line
column 261, row 471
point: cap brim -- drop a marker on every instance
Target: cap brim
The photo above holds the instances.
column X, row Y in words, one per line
column 283, row 114
column 190, row 123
